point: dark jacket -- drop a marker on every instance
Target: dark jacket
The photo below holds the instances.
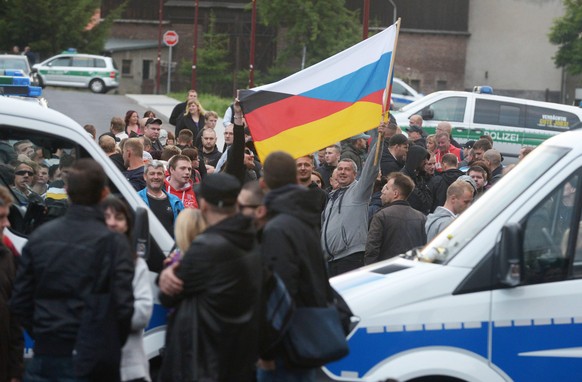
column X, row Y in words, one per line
column 186, row 122
column 375, row 205
column 222, row 276
column 358, row 156
column 177, row 112
column 291, row 243
column 55, row 276
column 388, row 163
column 420, row 199
column 394, row 230
column 135, row 178
column 326, row 171
column 439, row 184
column 496, row 175
column 212, row 157
column 11, row 339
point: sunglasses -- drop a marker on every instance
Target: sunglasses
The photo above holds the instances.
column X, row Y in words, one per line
column 24, row 172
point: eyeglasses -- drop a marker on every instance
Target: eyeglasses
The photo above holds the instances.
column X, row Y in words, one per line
column 24, row 172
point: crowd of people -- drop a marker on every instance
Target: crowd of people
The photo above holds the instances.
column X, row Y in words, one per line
column 233, row 216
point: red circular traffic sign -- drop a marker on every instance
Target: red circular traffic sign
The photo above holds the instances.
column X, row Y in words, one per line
column 170, row 38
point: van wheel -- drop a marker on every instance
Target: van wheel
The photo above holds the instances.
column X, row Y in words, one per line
column 97, row 86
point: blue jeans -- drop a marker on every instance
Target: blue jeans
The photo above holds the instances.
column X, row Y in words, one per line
column 47, row 368
column 284, row 374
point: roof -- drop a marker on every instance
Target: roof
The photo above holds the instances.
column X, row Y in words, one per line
column 123, row 44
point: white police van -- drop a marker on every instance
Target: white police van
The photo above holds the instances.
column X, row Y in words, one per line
column 497, row 296
column 51, row 130
column 403, row 94
column 511, row 122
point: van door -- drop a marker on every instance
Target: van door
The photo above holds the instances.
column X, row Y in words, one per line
column 536, row 327
column 503, row 121
column 57, row 71
column 542, row 122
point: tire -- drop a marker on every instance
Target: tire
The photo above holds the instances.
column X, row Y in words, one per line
column 40, row 81
column 97, row 86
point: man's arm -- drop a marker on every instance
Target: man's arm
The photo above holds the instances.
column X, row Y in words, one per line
column 22, row 301
column 277, row 254
column 374, row 241
column 122, row 274
column 365, row 185
column 176, row 111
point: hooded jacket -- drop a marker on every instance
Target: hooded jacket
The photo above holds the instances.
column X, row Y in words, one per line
column 186, row 194
column 355, row 154
column 438, row 221
column 175, row 203
column 222, row 273
column 389, row 164
column 345, row 218
column 439, row 184
column 421, row 198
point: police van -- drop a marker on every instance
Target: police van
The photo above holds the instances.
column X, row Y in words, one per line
column 53, row 131
column 496, row 296
column 511, row 122
column 403, row 94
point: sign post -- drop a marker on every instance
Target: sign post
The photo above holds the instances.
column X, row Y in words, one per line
column 170, row 39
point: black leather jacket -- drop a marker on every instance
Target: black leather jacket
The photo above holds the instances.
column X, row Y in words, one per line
column 56, row 272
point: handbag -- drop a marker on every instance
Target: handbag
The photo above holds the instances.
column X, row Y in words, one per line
column 97, row 353
column 315, row 337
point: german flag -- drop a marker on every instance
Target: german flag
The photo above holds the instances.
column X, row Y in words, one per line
column 330, row 101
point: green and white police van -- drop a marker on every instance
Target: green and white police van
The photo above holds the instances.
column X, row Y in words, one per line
column 98, row 73
column 511, row 122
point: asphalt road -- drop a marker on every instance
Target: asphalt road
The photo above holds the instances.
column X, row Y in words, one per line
column 88, row 108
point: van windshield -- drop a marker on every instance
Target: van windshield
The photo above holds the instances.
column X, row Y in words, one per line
column 449, row 242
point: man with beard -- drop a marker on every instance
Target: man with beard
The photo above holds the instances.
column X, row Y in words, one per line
column 393, row 158
column 420, row 198
column 398, row 227
column 165, row 206
column 209, row 148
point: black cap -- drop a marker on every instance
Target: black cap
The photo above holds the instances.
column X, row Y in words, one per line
column 153, row 120
column 415, row 128
column 219, row 189
column 468, row 144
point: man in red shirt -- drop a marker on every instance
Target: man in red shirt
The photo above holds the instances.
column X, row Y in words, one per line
column 444, row 146
column 179, row 182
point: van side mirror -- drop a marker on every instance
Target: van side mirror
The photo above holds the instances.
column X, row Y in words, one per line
column 509, row 253
column 141, row 233
column 427, row 114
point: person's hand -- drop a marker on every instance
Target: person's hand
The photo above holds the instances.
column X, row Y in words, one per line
column 170, row 284
column 382, row 128
column 266, row 364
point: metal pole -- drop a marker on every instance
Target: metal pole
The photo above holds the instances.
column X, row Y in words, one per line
column 158, row 63
column 169, row 70
column 394, row 14
column 365, row 19
column 253, row 33
column 195, row 46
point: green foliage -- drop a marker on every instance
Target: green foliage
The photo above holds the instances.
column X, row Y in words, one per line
column 566, row 32
column 51, row 26
column 325, row 27
column 213, row 70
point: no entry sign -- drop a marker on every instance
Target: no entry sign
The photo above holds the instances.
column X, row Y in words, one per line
column 170, row 38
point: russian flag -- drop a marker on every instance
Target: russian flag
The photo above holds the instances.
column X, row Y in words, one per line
column 335, row 99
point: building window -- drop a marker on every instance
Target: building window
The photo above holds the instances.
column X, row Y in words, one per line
column 415, row 84
column 147, row 66
column 126, row 68
column 441, row 85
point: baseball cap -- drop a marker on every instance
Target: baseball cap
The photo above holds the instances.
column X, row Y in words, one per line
column 469, row 180
column 417, row 129
column 219, row 189
column 153, row 120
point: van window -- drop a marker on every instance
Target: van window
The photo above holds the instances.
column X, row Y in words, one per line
column 491, row 112
column 550, row 119
column 451, row 109
column 61, row 61
column 83, row 62
column 37, row 201
column 546, row 235
column 399, row 89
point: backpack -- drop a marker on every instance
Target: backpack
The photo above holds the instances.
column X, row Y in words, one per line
column 276, row 311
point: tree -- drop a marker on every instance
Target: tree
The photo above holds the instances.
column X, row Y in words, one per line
column 325, row 27
column 213, row 67
column 567, row 33
column 50, row 26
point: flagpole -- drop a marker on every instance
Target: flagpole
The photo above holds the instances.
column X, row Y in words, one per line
column 387, row 95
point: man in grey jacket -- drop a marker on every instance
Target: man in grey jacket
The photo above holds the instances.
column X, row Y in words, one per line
column 345, row 218
column 459, row 197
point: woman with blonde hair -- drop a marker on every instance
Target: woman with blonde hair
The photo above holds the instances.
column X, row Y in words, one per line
column 192, row 119
column 431, row 144
column 189, row 224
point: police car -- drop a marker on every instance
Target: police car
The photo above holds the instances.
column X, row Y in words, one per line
column 16, row 84
column 403, row 94
column 98, row 73
column 494, row 297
